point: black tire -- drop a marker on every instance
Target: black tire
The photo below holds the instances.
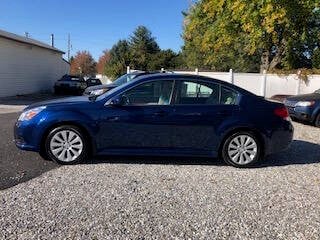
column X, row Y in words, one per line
column 57, row 92
column 69, row 128
column 225, row 147
column 317, row 121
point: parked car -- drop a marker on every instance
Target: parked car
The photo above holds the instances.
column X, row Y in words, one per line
column 93, row 82
column 280, row 97
column 305, row 107
column 99, row 90
column 158, row 114
column 70, row 84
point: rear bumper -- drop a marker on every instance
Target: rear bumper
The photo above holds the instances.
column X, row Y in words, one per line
column 280, row 139
column 63, row 89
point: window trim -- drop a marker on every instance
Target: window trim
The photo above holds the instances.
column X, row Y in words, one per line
column 220, row 85
column 147, row 105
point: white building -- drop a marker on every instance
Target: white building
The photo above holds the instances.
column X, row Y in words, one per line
column 28, row 66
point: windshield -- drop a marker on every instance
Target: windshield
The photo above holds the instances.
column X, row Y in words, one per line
column 317, row 91
column 124, row 79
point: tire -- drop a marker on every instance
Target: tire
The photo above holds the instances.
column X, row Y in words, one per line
column 66, row 145
column 317, row 121
column 242, row 149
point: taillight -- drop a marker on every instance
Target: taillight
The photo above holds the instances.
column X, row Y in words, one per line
column 282, row 112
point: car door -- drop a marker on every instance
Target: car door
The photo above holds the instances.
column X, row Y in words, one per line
column 142, row 122
column 200, row 108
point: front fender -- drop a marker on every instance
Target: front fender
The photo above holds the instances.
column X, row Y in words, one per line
column 51, row 119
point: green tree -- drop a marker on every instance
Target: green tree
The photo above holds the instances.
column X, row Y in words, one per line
column 120, row 58
column 143, row 46
column 239, row 33
column 163, row 59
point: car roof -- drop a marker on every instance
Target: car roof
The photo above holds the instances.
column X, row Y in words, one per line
column 183, row 76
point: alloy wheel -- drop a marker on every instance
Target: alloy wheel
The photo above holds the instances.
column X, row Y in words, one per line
column 66, row 145
column 242, row 149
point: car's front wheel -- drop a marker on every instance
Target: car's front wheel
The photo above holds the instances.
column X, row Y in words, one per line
column 241, row 149
column 66, row 145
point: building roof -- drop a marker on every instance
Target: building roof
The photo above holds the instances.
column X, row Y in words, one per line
column 30, row 41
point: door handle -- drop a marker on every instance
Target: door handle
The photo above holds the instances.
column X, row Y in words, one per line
column 223, row 113
column 113, row 119
column 160, row 114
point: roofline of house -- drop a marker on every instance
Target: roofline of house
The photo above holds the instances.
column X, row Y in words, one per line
column 20, row 39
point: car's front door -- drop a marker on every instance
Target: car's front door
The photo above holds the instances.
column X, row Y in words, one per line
column 201, row 108
column 143, row 122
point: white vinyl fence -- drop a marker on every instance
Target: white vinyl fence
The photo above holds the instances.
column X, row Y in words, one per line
column 265, row 84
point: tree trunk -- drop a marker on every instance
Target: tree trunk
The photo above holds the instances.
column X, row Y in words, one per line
column 265, row 61
column 279, row 54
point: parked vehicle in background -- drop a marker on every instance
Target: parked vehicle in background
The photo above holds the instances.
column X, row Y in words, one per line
column 93, row 82
column 158, row 114
column 280, row 97
column 70, row 84
column 305, row 107
column 99, row 90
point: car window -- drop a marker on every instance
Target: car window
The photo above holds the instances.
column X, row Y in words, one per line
column 150, row 93
column 197, row 93
column 228, row 96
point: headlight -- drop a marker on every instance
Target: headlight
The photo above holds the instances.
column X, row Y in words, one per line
column 98, row 92
column 304, row 103
column 29, row 114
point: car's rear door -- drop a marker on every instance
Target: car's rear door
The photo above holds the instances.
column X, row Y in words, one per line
column 200, row 109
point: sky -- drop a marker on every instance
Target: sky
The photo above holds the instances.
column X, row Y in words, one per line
column 94, row 25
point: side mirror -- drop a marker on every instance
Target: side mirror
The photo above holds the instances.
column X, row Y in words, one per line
column 116, row 101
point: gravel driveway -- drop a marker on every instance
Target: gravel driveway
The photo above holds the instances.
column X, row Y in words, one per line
column 163, row 198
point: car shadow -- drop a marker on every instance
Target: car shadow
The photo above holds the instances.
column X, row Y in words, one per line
column 299, row 152
column 17, row 166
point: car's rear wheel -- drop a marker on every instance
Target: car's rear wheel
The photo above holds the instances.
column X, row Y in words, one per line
column 66, row 145
column 241, row 149
column 317, row 121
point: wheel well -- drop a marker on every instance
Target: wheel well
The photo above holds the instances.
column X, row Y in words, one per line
column 82, row 129
column 316, row 115
column 256, row 133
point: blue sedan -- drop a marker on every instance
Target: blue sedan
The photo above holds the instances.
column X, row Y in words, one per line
column 305, row 107
column 159, row 114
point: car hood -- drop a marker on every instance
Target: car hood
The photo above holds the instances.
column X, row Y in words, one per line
column 305, row 97
column 103, row 86
column 60, row 101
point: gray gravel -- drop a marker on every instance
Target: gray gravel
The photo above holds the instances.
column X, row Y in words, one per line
column 280, row 199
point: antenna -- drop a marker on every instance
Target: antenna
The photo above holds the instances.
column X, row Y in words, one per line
column 52, row 40
column 69, row 46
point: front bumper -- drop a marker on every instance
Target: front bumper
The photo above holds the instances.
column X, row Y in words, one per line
column 24, row 137
column 301, row 113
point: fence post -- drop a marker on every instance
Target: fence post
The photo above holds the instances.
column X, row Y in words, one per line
column 264, row 84
column 231, row 76
column 298, row 83
column 196, row 71
column 128, row 69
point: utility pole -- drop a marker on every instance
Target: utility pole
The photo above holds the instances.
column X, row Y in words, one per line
column 52, row 40
column 69, row 46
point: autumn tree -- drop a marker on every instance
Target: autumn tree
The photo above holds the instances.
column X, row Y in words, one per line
column 83, row 64
column 266, row 34
column 102, row 62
